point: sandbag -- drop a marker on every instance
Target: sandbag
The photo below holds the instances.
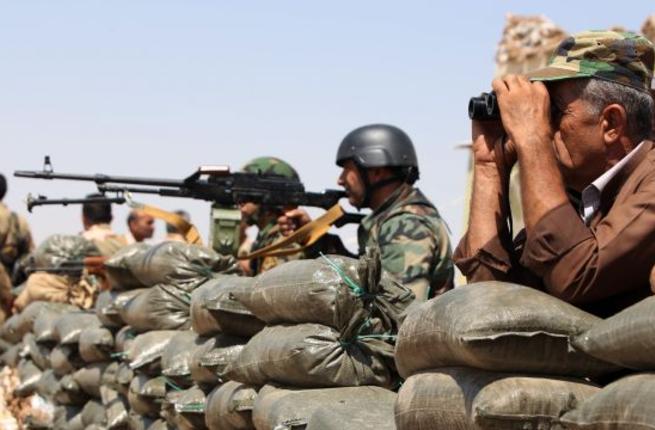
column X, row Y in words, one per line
column 329, row 291
column 64, row 359
column 116, row 411
column 145, row 395
column 466, row 398
column 229, row 407
column 59, row 251
column 108, row 304
column 215, row 309
column 96, row 345
column 211, row 357
column 124, row 337
column 625, row 339
column 11, row 330
column 163, row 307
column 39, row 353
column 118, row 376
column 351, row 416
column 69, row 326
column 626, row 404
column 93, row 413
column 19, row 324
column 64, row 414
column 312, row 355
column 290, row 408
column 173, row 263
column 89, row 378
column 12, row 356
column 176, row 358
column 140, row 422
column 185, row 410
column 119, row 273
column 496, row 326
column 47, row 385
column 28, row 375
column 44, row 327
column 68, row 392
column 145, row 351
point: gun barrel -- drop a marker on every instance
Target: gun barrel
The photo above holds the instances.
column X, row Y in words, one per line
column 99, row 178
column 42, row 201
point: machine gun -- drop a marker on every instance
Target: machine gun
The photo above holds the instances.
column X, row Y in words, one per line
column 216, row 184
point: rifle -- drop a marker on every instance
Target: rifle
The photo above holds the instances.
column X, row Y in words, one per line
column 216, row 184
column 41, row 200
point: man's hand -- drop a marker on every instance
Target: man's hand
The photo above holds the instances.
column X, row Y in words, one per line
column 524, row 110
column 292, row 220
column 485, row 135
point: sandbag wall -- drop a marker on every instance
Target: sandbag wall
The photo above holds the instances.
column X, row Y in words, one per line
column 494, row 355
column 326, row 353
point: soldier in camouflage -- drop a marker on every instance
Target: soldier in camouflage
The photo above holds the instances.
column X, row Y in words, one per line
column 15, row 243
column 266, row 218
column 379, row 168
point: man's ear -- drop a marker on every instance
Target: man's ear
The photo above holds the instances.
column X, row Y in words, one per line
column 614, row 121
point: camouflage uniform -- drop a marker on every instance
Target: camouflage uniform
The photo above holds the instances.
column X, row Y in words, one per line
column 413, row 241
column 15, row 243
column 270, row 232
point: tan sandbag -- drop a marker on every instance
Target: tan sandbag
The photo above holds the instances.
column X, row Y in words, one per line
column 286, row 408
column 496, row 326
column 465, row 398
column 185, row 410
column 146, row 394
column 312, row 355
column 627, row 404
column 96, row 344
column 229, row 407
column 89, row 378
column 625, row 339
column 64, row 359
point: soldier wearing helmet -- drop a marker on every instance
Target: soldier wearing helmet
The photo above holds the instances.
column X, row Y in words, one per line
column 379, row 169
column 266, row 218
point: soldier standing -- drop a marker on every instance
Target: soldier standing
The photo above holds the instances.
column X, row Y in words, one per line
column 15, row 243
column 379, row 168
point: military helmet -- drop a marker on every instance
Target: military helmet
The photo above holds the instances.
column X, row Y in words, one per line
column 378, row 145
column 270, row 166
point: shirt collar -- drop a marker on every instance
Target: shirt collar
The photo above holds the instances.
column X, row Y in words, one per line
column 592, row 193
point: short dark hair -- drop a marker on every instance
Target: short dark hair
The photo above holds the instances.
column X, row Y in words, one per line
column 3, row 186
column 97, row 212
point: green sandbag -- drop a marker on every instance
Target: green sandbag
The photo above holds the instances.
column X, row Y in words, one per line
column 215, row 309
column 60, row 253
column 328, row 290
column 211, row 357
column 124, row 337
column 69, row 326
column 64, row 359
column 89, row 378
column 185, row 410
column 466, row 398
column 626, row 404
column 108, row 304
column 43, row 325
column 93, row 413
column 163, row 307
column 173, row 263
column 146, row 394
column 145, row 351
column 292, row 408
column 39, row 353
column 96, row 345
column 20, row 324
column 229, row 407
column 312, row 355
column 625, row 339
column 176, row 358
column 118, row 270
column 28, row 375
column 496, row 326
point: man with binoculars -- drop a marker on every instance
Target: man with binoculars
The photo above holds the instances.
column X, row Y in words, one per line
column 579, row 131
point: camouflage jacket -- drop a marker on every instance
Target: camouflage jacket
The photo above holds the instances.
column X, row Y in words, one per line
column 413, row 242
column 266, row 236
column 15, row 237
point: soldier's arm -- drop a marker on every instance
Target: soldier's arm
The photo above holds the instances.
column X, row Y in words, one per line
column 407, row 247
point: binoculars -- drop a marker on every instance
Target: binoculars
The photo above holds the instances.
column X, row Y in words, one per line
column 484, row 107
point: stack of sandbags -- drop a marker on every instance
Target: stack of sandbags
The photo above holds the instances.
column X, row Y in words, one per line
column 331, row 323
column 493, row 355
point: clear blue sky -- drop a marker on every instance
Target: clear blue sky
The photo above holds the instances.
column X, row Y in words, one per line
column 157, row 88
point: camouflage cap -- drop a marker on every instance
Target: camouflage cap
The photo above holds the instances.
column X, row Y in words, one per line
column 270, row 166
column 622, row 57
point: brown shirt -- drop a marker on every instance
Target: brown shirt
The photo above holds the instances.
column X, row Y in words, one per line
column 603, row 267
